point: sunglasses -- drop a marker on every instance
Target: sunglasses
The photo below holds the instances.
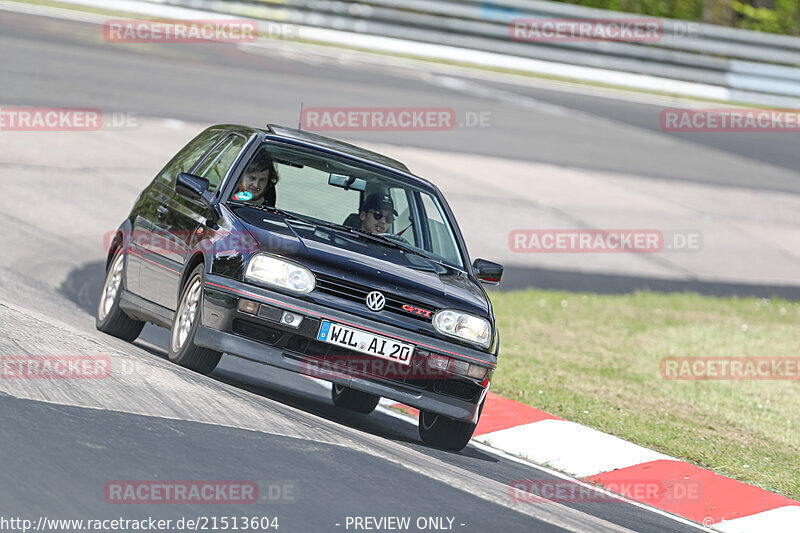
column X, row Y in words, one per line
column 379, row 215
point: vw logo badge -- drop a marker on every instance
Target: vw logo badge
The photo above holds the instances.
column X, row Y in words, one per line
column 375, row 301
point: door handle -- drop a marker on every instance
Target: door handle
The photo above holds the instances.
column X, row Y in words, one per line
column 162, row 211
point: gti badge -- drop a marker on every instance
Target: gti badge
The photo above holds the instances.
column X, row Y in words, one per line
column 375, row 301
column 417, row 311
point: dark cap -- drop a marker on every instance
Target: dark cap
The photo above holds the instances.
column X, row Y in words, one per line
column 379, row 202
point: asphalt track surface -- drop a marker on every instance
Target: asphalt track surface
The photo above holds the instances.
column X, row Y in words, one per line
column 64, row 440
column 52, row 62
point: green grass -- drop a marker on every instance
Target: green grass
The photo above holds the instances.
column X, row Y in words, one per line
column 594, row 359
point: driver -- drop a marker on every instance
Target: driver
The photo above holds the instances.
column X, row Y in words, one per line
column 258, row 182
column 377, row 213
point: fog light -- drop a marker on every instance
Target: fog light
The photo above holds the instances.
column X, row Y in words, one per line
column 248, row 306
column 291, row 319
column 476, row 371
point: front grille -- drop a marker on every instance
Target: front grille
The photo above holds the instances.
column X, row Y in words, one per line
column 358, row 293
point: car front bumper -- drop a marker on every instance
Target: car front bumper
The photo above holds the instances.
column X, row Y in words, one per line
column 265, row 339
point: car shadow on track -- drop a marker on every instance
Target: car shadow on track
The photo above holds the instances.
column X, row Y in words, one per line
column 83, row 285
column 315, row 399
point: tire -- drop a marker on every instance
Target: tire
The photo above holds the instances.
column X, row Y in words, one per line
column 109, row 318
column 354, row 400
column 182, row 349
column 442, row 432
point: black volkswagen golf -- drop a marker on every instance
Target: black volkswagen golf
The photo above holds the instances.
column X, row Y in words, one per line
column 309, row 254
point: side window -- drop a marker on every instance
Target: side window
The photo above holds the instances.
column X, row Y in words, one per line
column 402, row 223
column 442, row 240
column 217, row 164
column 188, row 157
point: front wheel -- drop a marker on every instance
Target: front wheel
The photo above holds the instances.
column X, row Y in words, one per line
column 442, row 432
column 182, row 349
column 110, row 318
column 354, row 400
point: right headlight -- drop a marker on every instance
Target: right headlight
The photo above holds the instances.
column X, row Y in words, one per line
column 463, row 326
column 280, row 273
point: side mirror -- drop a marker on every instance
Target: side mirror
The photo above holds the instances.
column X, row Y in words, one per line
column 193, row 187
column 488, row 272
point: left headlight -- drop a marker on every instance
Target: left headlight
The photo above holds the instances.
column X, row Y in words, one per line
column 280, row 273
column 464, row 326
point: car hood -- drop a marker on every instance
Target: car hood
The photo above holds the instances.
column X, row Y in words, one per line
column 339, row 255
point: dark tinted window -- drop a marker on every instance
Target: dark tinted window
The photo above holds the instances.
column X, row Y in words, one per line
column 216, row 166
column 189, row 155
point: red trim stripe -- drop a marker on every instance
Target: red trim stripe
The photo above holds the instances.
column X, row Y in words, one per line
column 151, row 261
column 357, row 326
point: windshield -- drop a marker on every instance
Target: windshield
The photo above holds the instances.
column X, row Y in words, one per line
column 328, row 191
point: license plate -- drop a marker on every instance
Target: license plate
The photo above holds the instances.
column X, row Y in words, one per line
column 361, row 341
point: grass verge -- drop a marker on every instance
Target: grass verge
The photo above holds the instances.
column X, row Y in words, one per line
column 594, row 359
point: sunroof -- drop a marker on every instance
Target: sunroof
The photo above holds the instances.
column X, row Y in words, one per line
column 336, row 145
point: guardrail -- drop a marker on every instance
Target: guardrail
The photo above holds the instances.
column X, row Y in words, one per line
column 753, row 67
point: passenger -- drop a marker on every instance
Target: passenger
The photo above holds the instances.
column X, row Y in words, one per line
column 377, row 213
column 258, row 181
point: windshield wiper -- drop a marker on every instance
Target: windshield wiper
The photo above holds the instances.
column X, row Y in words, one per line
column 379, row 239
column 367, row 235
column 276, row 211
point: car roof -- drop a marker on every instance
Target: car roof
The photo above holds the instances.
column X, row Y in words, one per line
column 314, row 140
